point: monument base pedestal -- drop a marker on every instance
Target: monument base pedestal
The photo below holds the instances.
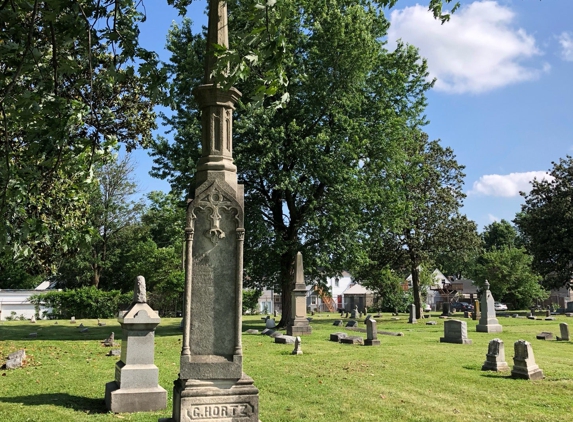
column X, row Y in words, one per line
column 527, row 373
column 495, row 366
column 299, row 327
column 489, row 328
column 130, row 400
column 371, row 342
column 215, row 401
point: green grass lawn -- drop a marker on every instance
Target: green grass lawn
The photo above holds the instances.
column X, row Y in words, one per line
column 409, row 378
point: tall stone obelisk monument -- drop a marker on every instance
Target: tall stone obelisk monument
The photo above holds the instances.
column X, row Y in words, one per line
column 212, row 385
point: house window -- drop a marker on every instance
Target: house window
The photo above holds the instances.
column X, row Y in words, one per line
column 336, row 282
column 313, row 300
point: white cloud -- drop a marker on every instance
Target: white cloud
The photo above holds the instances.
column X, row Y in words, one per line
column 478, row 50
column 493, row 218
column 506, row 185
column 566, row 41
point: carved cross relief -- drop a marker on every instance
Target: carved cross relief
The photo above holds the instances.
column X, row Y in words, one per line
column 214, row 202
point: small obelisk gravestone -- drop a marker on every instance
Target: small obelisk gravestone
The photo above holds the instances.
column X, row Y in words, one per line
column 299, row 325
column 136, row 387
column 488, row 322
column 212, row 385
column 495, row 357
column 412, row 318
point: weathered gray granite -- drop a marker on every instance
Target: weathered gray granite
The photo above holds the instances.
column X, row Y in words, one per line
column 270, row 323
column 488, row 322
column 211, row 385
column 139, row 290
column 564, row 331
column 495, row 357
column 412, row 318
column 136, row 387
column 352, row 340
column 351, row 323
column 16, row 359
column 285, row 339
column 297, row 349
column 114, row 352
column 455, row 331
column 371, row 333
column 299, row 324
column 252, row 331
column 110, row 341
column 337, row 336
column 524, row 365
column 431, row 323
column 337, row 323
column 544, row 335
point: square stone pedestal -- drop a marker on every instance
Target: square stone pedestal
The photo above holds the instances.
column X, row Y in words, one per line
column 215, row 401
column 134, row 400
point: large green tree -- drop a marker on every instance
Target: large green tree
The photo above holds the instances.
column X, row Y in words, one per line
column 508, row 270
column 428, row 190
column 305, row 164
column 74, row 82
column 546, row 224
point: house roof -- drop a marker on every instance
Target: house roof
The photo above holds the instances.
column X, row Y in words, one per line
column 357, row 289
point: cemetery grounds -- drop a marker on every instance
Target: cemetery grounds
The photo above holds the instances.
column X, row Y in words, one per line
column 407, row 378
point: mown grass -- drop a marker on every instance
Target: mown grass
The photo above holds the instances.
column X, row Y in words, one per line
column 409, row 378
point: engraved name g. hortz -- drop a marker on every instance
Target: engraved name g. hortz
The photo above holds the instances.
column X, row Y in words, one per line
column 214, row 202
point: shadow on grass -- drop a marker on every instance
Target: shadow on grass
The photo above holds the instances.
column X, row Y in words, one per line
column 82, row 404
column 500, row 375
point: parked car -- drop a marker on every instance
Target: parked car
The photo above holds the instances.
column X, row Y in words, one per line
column 498, row 306
column 461, row 306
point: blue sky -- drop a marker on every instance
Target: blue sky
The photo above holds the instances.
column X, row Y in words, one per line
column 503, row 98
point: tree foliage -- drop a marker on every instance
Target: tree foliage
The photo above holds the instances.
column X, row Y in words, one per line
column 305, row 164
column 499, row 234
column 428, row 185
column 70, row 90
column 546, row 224
column 508, row 270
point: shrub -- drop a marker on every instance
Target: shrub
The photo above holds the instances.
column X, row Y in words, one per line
column 84, row 302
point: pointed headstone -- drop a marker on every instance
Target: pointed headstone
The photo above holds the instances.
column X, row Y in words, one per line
column 108, row 342
column 488, row 322
column 299, row 324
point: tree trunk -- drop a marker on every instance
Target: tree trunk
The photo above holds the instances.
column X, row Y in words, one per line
column 96, row 275
column 287, row 286
column 416, row 289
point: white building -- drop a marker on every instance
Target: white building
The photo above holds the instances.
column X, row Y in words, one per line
column 316, row 300
column 15, row 303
